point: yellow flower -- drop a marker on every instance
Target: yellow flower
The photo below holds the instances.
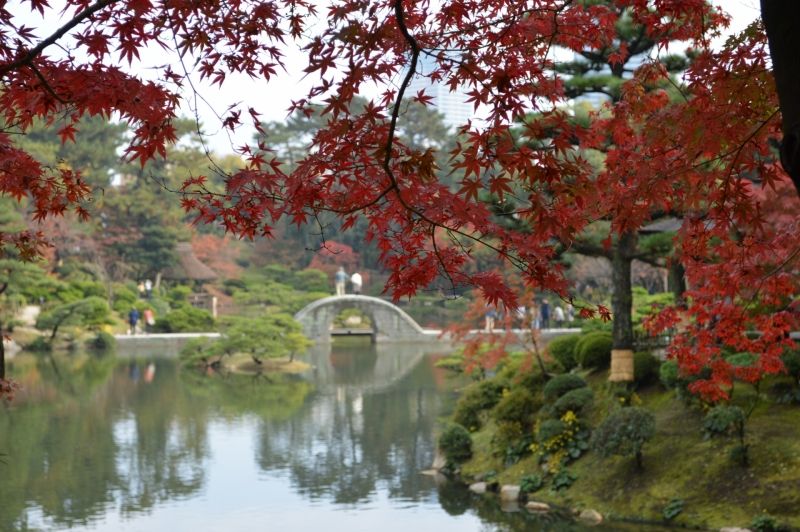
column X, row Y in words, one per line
column 569, row 417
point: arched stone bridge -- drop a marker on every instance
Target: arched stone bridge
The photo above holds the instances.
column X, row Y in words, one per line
column 389, row 322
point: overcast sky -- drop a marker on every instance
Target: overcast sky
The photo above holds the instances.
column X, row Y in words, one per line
column 272, row 98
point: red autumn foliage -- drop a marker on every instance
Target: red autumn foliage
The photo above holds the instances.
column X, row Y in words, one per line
column 332, row 256
column 696, row 157
column 217, row 252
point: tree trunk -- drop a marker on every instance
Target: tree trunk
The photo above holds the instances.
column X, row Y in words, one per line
column 677, row 280
column 621, row 307
column 780, row 20
column 2, row 356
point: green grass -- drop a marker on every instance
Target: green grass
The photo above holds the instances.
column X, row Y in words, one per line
column 678, row 464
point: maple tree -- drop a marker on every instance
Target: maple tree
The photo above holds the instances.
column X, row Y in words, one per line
column 701, row 155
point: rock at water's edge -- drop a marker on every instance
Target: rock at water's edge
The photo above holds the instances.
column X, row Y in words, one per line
column 590, row 517
column 478, row 487
column 538, row 507
column 439, row 461
column 509, row 492
column 734, row 529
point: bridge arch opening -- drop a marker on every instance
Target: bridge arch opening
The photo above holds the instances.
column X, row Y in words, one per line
column 388, row 322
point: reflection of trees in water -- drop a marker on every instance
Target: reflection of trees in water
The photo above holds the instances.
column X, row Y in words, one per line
column 89, row 433
column 97, row 438
column 345, row 444
column 162, row 444
column 232, row 395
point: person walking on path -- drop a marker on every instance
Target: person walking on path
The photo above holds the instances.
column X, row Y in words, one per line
column 521, row 313
column 570, row 313
column 340, row 278
column 544, row 314
column 148, row 288
column 356, row 281
column 149, row 319
column 133, row 319
column 491, row 316
column 558, row 316
column 536, row 321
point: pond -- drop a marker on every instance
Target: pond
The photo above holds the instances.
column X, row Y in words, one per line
column 123, row 443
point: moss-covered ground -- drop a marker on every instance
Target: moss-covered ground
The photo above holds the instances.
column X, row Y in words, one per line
column 679, row 463
column 243, row 363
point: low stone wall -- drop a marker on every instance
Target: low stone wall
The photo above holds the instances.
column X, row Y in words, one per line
column 169, row 344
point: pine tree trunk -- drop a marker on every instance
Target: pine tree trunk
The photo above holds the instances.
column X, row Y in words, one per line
column 621, row 307
column 677, row 280
column 2, row 355
column 780, row 20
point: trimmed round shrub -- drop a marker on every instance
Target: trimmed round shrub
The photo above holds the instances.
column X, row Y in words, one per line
column 40, row 344
column 645, row 368
column 456, row 444
column 104, row 341
column 179, row 294
column 668, row 374
column 624, row 433
column 574, row 400
column 561, row 384
column 766, row 523
column 481, row 396
column 531, row 379
column 124, row 298
column 509, row 440
column 724, row 419
column 185, row 319
column 549, row 429
column 518, row 406
column 594, row 350
column 562, row 349
column 791, row 361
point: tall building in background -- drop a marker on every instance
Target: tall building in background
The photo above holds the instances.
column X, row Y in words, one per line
column 453, row 105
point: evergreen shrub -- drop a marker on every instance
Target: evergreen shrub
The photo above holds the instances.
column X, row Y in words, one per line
column 645, row 368
column 562, row 348
column 767, row 523
column 104, row 341
column 575, row 400
column 549, row 429
column 124, row 298
column 668, row 374
column 791, row 361
column 481, row 396
column 185, row 319
column 594, row 350
column 517, row 406
column 624, row 433
column 456, row 444
column 561, row 384
column 40, row 344
column 179, row 294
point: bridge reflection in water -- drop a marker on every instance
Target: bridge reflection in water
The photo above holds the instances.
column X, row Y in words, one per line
column 371, row 371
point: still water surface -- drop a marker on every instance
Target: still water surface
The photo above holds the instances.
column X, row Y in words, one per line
column 117, row 443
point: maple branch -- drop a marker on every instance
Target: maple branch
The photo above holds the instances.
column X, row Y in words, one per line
column 441, row 260
column 412, row 69
column 737, row 152
column 46, row 85
column 33, row 53
column 776, row 270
